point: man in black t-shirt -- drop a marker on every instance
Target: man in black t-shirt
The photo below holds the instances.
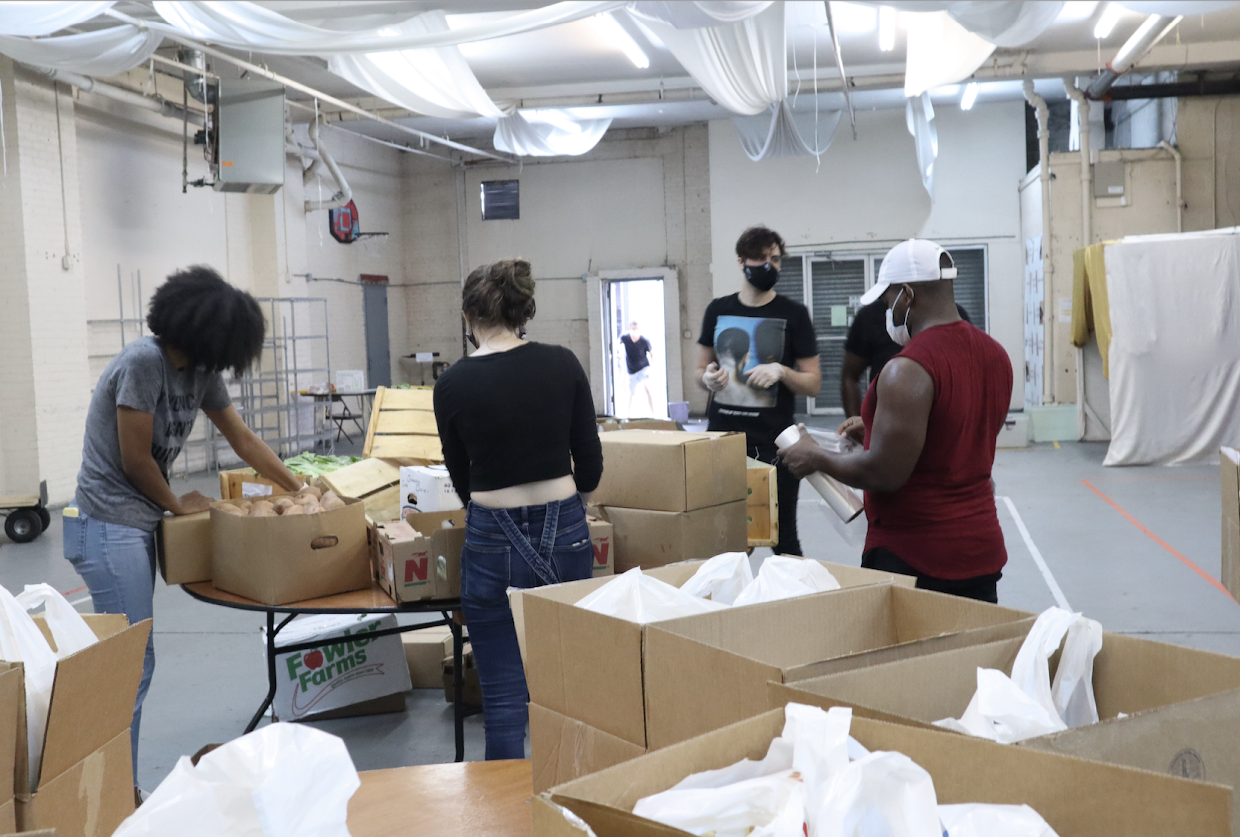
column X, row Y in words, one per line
column 868, row 346
column 758, row 352
column 637, row 351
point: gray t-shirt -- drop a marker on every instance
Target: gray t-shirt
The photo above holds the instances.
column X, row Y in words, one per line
column 142, row 378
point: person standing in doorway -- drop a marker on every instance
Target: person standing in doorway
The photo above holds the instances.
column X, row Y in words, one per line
column 140, row 415
column 928, row 427
column 637, row 357
column 758, row 352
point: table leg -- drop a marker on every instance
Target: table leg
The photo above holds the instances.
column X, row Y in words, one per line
column 458, row 684
column 272, row 630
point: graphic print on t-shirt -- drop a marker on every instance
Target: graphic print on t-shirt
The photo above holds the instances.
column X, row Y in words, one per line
column 741, row 343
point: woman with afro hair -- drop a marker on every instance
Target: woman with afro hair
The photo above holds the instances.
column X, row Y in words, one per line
column 140, row 415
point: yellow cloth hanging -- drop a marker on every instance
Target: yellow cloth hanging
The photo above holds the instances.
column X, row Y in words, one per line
column 1091, row 311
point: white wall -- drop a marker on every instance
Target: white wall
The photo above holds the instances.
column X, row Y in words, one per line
column 867, row 195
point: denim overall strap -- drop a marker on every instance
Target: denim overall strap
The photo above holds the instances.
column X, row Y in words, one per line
column 541, row 564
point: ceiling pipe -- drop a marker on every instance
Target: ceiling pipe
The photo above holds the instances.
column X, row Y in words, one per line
column 344, row 193
column 155, row 104
column 1044, row 176
column 1134, row 49
column 1179, row 183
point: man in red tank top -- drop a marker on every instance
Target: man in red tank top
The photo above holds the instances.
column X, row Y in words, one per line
column 928, row 427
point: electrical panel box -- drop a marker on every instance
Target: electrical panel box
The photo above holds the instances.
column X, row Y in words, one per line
column 1109, row 179
column 249, row 126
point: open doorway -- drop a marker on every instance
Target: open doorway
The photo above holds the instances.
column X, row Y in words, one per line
column 634, row 337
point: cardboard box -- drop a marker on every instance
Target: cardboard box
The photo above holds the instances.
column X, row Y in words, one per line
column 8, row 819
column 761, row 503
column 427, row 488
column 376, row 482
column 473, row 688
column 245, row 482
column 594, row 668
column 86, row 782
column 673, row 471
column 332, row 677
column 731, row 654
column 419, row 561
column 12, row 716
column 602, row 538
column 424, row 652
column 277, row 560
column 1077, row 798
column 183, row 548
column 1229, row 462
column 606, row 424
column 563, row 749
column 1183, row 704
column 649, row 539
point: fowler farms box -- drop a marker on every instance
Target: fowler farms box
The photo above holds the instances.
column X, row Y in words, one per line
column 1183, row 705
column 731, row 654
column 328, row 678
column 649, row 539
column 86, row 781
column 183, row 546
column 422, row 560
column 672, row 471
column 277, row 560
column 1077, row 798
column 594, row 668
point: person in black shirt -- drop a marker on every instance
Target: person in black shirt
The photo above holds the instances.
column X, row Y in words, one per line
column 868, row 346
column 520, row 442
column 758, row 352
column 637, row 351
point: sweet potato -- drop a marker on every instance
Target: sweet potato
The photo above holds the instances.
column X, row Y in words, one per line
column 290, row 510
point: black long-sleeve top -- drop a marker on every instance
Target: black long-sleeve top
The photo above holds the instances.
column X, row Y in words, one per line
column 518, row 416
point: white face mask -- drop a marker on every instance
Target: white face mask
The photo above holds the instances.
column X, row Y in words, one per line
column 899, row 334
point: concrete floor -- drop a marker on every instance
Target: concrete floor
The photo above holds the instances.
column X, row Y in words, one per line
column 210, row 675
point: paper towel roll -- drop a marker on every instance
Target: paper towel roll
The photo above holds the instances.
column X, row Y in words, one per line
column 842, row 499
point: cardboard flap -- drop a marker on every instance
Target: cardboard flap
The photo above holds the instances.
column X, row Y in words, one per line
column 364, row 478
column 92, row 798
column 609, row 822
column 12, row 720
column 921, row 614
column 93, row 698
column 781, row 694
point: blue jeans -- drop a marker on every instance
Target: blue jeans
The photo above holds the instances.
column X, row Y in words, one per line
column 523, row 547
column 118, row 565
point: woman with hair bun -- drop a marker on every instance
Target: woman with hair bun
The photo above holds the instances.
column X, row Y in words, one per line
column 517, row 423
column 140, row 415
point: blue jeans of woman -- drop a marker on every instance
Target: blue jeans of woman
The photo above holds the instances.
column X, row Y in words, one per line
column 522, row 547
column 118, row 565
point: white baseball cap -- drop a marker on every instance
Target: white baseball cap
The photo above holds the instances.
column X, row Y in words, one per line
column 915, row 260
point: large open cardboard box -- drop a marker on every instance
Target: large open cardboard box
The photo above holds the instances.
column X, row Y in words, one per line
column 1076, row 797
column 12, row 708
column 563, row 749
column 1183, row 705
column 86, row 782
column 593, row 668
column 1229, row 465
column 704, row 672
column 671, row 471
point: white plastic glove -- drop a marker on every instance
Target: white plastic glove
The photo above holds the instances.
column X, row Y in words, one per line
column 714, row 378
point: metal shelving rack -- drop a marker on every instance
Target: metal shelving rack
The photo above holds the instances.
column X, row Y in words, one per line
column 101, row 359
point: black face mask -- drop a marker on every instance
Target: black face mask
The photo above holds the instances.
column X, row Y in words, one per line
column 762, row 276
column 469, row 335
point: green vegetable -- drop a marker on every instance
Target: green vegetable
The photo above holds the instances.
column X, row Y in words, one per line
column 315, row 465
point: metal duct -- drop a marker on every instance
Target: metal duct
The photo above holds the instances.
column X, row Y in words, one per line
column 1134, row 49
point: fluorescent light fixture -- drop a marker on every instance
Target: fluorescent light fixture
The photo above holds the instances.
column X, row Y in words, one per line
column 655, row 40
column 969, row 96
column 1136, row 38
column 887, row 28
column 853, row 18
column 1074, row 11
column 616, row 36
column 1110, row 17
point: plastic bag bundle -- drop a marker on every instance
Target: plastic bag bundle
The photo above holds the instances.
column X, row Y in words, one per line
column 1026, row 705
column 284, row 780
column 842, row 499
column 722, row 578
column 781, row 577
column 881, row 795
column 993, row 821
column 22, row 641
column 637, row 597
column 832, row 441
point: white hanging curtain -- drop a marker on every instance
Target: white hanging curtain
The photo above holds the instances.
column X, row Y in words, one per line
column 743, row 66
column 692, row 14
column 436, row 82
column 104, row 52
column 786, row 133
column 32, row 19
column 516, row 134
column 1172, row 8
column 919, row 116
column 940, row 51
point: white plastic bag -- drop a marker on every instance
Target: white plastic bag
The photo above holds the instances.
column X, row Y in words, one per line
column 636, row 597
column 722, row 578
column 770, row 805
column 22, row 641
column 1025, row 706
column 284, row 780
column 781, row 577
column 832, row 441
column 69, row 630
column 882, row 795
column 819, row 744
column 977, row 820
